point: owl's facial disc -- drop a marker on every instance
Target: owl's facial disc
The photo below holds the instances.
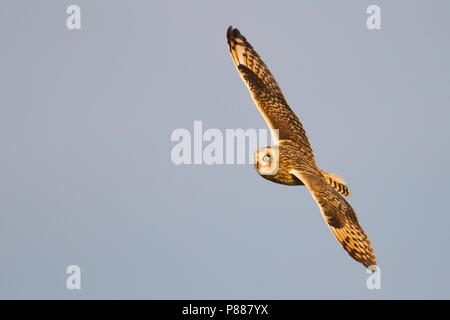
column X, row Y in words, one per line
column 266, row 161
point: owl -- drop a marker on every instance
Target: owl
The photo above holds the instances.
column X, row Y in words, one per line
column 290, row 161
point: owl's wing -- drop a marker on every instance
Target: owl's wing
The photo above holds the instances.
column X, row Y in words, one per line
column 341, row 218
column 265, row 91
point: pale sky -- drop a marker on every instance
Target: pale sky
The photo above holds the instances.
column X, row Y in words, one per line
column 86, row 176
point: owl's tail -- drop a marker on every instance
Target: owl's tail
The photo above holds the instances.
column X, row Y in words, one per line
column 337, row 182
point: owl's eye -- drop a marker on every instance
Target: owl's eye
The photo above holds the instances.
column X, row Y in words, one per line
column 266, row 158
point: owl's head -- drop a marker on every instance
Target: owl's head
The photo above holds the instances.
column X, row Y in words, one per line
column 267, row 160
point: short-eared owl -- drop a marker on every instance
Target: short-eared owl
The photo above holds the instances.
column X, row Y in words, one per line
column 293, row 155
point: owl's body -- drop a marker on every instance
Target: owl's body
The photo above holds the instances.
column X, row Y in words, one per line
column 291, row 160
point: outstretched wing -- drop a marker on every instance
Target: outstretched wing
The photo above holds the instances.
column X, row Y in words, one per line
column 341, row 218
column 265, row 91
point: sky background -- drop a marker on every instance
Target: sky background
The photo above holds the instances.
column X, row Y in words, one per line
column 86, row 176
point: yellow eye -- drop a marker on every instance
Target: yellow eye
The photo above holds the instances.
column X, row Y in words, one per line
column 266, row 158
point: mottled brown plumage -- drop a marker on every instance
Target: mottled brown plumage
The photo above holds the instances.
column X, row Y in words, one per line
column 291, row 160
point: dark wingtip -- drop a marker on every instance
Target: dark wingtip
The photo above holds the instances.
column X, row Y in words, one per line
column 229, row 32
column 234, row 32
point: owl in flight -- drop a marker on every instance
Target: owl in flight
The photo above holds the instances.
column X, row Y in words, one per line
column 292, row 156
